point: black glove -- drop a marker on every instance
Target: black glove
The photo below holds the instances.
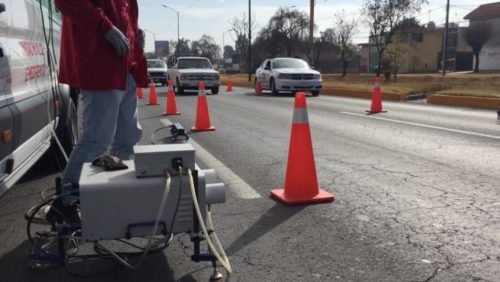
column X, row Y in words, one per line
column 118, row 40
column 109, row 163
column 141, row 37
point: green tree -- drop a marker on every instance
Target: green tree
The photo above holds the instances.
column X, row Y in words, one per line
column 206, row 47
column 181, row 48
column 288, row 26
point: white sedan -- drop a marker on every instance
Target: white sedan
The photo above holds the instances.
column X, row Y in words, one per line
column 288, row 74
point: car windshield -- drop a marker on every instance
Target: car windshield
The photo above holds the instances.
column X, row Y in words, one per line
column 194, row 64
column 289, row 63
column 157, row 64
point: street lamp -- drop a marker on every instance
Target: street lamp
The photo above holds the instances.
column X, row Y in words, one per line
column 311, row 30
column 249, row 40
column 177, row 12
column 154, row 40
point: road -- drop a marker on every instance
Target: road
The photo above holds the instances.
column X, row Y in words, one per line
column 417, row 194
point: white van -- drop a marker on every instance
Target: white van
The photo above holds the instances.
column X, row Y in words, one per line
column 33, row 105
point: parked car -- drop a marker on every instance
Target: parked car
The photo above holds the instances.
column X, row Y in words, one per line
column 157, row 71
column 34, row 107
column 288, row 74
column 189, row 71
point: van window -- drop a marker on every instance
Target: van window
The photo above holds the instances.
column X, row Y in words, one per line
column 16, row 17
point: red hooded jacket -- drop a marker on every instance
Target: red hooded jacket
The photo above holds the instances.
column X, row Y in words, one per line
column 89, row 61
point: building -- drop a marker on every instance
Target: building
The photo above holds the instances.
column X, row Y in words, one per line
column 489, row 57
column 420, row 50
column 459, row 55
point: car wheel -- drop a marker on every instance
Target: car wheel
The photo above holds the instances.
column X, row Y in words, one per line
column 215, row 90
column 179, row 89
column 315, row 93
column 273, row 87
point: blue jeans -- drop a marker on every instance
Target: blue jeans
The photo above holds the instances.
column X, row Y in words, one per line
column 110, row 124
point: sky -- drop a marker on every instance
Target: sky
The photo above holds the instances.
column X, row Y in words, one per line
column 198, row 17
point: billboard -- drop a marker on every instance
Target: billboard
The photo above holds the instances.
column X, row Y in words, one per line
column 161, row 48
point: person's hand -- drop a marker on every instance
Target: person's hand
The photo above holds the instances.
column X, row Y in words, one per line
column 118, row 40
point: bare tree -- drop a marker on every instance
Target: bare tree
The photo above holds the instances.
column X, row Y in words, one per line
column 343, row 32
column 323, row 44
column 239, row 28
column 394, row 57
column 476, row 36
column 384, row 17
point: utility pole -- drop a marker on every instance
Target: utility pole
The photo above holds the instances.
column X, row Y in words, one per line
column 445, row 43
column 249, row 40
column 311, row 30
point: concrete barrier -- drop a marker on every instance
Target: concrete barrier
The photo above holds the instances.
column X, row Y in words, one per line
column 465, row 101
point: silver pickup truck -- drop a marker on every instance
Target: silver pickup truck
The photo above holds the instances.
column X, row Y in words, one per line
column 189, row 71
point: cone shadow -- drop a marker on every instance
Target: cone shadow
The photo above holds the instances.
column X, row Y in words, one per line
column 267, row 222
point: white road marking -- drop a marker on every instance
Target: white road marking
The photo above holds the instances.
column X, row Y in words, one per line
column 236, row 184
column 425, row 125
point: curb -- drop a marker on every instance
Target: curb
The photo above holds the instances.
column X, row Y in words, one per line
column 464, row 101
column 388, row 96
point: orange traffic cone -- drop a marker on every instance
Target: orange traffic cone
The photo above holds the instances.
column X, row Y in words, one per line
column 258, row 88
column 171, row 105
column 301, row 182
column 153, row 98
column 140, row 93
column 229, row 86
column 202, row 116
column 376, row 106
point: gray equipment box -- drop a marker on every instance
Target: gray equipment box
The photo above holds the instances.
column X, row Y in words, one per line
column 115, row 204
column 154, row 160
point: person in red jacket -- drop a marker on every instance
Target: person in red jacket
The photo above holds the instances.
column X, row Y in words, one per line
column 101, row 54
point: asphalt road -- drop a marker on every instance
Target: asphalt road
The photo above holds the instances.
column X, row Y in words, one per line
column 417, row 195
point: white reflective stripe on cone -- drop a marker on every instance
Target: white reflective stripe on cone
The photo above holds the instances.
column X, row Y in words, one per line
column 377, row 85
column 300, row 116
column 201, row 92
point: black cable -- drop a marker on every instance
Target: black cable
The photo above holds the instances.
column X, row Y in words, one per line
column 99, row 250
column 156, row 131
column 171, row 227
column 52, row 65
column 82, row 258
